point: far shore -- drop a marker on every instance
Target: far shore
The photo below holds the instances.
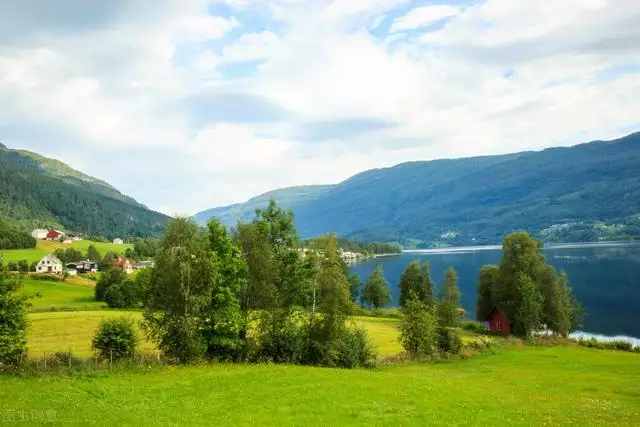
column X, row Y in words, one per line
column 456, row 249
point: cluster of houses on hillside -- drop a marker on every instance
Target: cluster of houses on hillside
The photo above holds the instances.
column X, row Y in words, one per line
column 52, row 264
column 61, row 236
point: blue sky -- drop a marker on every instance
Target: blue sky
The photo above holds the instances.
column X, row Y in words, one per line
column 190, row 104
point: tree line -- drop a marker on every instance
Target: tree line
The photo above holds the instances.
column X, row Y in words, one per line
column 367, row 248
column 12, row 238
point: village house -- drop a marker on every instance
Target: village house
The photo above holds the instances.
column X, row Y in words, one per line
column 498, row 322
column 54, row 235
column 125, row 264
column 39, row 234
column 49, row 264
column 145, row 264
column 82, row 267
column 118, row 241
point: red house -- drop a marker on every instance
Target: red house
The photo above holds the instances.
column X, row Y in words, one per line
column 53, row 235
column 498, row 323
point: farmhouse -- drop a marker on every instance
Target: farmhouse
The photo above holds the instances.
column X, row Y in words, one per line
column 118, row 241
column 49, row 264
column 54, row 235
column 498, row 323
column 39, row 234
column 81, row 267
column 125, row 264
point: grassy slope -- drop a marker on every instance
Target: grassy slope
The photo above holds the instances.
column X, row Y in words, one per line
column 44, row 247
column 518, row 386
column 75, row 294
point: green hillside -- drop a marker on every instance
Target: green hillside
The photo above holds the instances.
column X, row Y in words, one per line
column 588, row 192
column 39, row 192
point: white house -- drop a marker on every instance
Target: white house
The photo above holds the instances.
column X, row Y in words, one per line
column 39, row 234
column 49, row 264
column 118, row 241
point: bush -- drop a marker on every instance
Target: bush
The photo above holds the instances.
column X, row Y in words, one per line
column 116, row 339
column 13, row 322
column 114, row 298
column 23, row 266
column 34, row 266
column 283, row 340
column 354, row 350
column 449, row 341
column 418, row 334
column 47, row 276
column 113, row 276
column 475, row 327
column 12, row 266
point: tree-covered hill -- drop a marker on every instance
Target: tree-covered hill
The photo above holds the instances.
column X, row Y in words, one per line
column 586, row 192
column 39, row 192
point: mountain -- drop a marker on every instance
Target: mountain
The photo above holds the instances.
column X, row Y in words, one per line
column 585, row 192
column 39, row 192
column 286, row 197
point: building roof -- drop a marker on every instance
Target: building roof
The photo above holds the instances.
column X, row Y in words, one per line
column 51, row 258
column 53, row 234
column 496, row 309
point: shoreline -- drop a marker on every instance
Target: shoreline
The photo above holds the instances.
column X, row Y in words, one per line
column 480, row 248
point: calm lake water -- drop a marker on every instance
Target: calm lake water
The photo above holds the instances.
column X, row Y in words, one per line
column 605, row 277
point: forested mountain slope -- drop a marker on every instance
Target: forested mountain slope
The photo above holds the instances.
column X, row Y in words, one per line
column 39, row 192
column 561, row 194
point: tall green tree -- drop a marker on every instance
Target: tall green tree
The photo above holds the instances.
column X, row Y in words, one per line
column 417, row 279
column 529, row 311
column 376, row 290
column 486, row 285
column 224, row 321
column 93, row 254
column 449, row 310
column 13, row 320
column 180, row 292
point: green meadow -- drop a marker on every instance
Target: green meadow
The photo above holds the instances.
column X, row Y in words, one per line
column 69, row 295
column 516, row 386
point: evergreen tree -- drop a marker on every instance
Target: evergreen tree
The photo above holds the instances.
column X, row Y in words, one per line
column 417, row 279
column 449, row 310
column 376, row 290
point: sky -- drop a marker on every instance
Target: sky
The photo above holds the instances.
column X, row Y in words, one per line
column 191, row 104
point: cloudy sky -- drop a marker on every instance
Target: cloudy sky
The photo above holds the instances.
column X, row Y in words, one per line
column 191, row 104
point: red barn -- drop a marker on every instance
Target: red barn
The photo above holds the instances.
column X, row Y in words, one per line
column 498, row 323
column 53, row 235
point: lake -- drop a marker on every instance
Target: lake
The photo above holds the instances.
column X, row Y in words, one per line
column 604, row 277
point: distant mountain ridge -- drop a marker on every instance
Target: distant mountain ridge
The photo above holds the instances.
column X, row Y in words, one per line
column 566, row 193
column 36, row 191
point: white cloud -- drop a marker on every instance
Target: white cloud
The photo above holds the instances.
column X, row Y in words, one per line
column 500, row 76
column 423, row 16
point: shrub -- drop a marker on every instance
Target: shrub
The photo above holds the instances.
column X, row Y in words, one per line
column 113, row 276
column 114, row 298
column 49, row 277
column 12, row 266
column 418, row 334
column 619, row 345
column 449, row 341
column 116, row 339
column 34, row 266
column 354, row 350
column 284, row 340
column 475, row 327
column 23, row 266
column 13, row 322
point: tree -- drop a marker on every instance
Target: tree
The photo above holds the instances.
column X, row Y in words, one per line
column 376, row 290
column 449, row 310
column 529, row 309
column 108, row 278
column 417, row 279
column 116, row 339
column 355, row 287
column 180, row 292
column 23, row 266
column 486, row 286
column 224, row 321
column 12, row 266
column 93, row 254
column 13, row 321
column 418, row 328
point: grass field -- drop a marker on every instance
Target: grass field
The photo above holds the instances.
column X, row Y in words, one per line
column 63, row 331
column 44, row 247
column 74, row 294
column 517, row 386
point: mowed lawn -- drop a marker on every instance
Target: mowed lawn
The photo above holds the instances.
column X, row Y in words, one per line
column 73, row 294
column 44, row 247
column 518, row 386
column 73, row 331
